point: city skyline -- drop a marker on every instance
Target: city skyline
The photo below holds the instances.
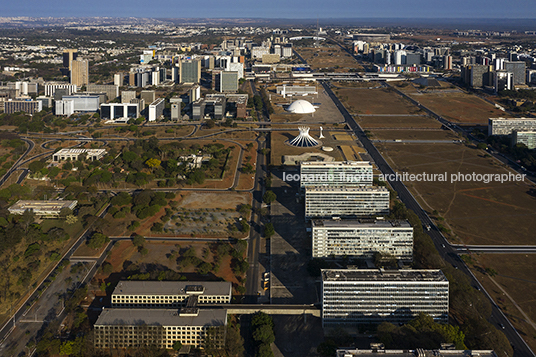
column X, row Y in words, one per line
column 297, row 9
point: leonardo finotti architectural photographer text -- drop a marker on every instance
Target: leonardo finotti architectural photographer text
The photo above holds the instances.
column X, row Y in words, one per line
column 407, row 177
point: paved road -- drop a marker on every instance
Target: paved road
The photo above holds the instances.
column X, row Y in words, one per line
column 253, row 273
column 448, row 253
column 502, row 249
column 31, row 145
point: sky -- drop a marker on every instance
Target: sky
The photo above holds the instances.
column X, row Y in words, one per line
column 292, row 9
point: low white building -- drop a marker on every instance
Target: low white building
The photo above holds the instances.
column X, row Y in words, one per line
column 73, row 154
column 50, row 208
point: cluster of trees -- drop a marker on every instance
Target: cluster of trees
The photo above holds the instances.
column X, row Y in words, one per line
column 421, row 332
column 519, row 152
column 146, row 160
column 263, row 334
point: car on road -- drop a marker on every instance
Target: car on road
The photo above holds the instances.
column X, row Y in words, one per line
column 502, row 326
column 442, row 245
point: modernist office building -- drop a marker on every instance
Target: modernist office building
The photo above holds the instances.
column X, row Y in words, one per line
column 374, row 352
column 169, row 294
column 156, row 109
column 505, row 126
column 349, row 202
column 50, row 208
column 119, row 111
column 190, row 71
column 27, row 106
column 80, row 72
column 336, row 173
column 362, row 238
column 123, row 328
column 524, row 137
column 351, row 297
column 73, row 154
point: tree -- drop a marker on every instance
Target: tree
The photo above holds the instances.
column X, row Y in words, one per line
column 268, row 230
column 71, row 219
column 177, row 345
column 269, row 197
column 97, row 240
column 264, row 334
column 138, row 240
column 153, row 163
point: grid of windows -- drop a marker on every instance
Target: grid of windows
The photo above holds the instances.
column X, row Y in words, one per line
column 164, row 301
column 352, row 301
column 352, row 238
column 125, row 336
column 348, row 173
column 346, row 202
column 503, row 126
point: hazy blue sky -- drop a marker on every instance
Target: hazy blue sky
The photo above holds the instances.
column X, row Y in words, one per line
column 274, row 9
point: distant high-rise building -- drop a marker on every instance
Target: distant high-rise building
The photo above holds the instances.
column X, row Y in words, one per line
column 127, row 96
column 80, row 72
column 148, row 96
column 156, row 109
column 68, row 57
column 518, row 68
column 190, row 71
column 447, row 62
column 228, row 81
column 118, row 79
column 503, row 80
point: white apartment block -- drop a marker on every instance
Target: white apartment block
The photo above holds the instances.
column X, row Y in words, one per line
column 64, row 107
column 156, row 109
column 351, row 297
column 124, row 328
column 73, row 154
column 328, row 202
column 505, row 126
column 169, row 294
column 336, row 173
column 50, row 88
column 362, row 238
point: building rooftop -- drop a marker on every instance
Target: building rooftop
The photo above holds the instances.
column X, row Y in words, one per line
column 161, row 317
column 80, row 151
column 345, row 189
column 129, row 287
column 427, row 275
column 360, row 223
column 42, row 206
column 414, row 353
column 337, row 163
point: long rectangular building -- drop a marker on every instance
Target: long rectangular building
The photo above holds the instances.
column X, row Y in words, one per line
column 50, row 208
column 349, row 202
column 336, row 173
column 505, row 126
column 124, row 328
column 350, row 297
column 169, row 294
column 362, row 238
